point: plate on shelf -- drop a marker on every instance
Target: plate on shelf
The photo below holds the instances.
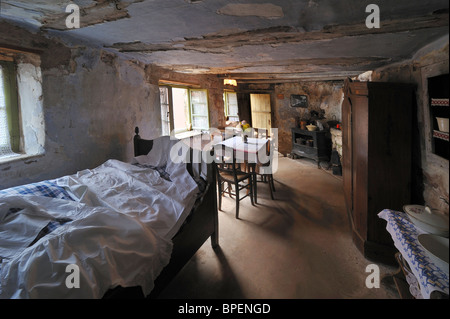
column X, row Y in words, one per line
column 442, row 135
column 428, row 220
column 436, row 248
column 439, row 102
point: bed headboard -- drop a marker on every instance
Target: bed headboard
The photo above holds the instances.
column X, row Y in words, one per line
column 143, row 147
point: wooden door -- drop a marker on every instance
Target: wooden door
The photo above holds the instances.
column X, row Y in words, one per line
column 261, row 111
column 244, row 107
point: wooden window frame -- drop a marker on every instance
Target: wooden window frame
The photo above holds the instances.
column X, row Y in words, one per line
column 11, row 103
column 190, row 104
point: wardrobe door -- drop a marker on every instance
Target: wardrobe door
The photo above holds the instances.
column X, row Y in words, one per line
column 360, row 125
column 389, row 183
column 347, row 164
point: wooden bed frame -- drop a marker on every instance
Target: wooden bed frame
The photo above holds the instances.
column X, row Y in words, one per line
column 201, row 224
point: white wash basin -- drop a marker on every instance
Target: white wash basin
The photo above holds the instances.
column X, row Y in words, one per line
column 436, row 248
column 428, row 220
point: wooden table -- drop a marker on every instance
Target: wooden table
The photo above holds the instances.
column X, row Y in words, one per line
column 248, row 152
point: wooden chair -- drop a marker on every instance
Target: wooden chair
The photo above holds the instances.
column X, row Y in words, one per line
column 229, row 174
column 260, row 132
column 264, row 170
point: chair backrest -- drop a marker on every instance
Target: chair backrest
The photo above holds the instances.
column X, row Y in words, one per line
column 261, row 132
column 265, row 133
column 225, row 160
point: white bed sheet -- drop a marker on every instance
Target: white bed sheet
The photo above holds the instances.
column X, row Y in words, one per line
column 110, row 249
column 123, row 221
column 138, row 192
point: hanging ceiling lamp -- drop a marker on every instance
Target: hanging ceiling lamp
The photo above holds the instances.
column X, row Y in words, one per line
column 230, row 82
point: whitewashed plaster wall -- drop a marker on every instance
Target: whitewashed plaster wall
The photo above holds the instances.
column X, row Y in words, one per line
column 91, row 105
column 29, row 87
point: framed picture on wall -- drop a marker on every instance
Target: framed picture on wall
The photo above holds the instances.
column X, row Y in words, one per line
column 298, row 100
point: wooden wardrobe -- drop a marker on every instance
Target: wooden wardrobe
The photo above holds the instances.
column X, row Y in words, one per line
column 376, row 160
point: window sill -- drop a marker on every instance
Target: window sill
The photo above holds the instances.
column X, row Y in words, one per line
column 187, row 134
column 21, row 157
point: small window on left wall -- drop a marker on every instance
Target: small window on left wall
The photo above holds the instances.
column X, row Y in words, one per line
column 22, row 122
column 9, row 113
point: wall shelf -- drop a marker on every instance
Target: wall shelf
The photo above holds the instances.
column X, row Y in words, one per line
column 439, row 102
column 438, row 92
column 441, row 135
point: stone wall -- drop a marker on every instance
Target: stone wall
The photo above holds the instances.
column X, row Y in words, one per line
column 323, row 96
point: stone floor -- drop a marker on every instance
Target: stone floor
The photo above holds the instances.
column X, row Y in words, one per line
column 297, row 246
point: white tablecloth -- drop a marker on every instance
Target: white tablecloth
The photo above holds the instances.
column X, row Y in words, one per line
column 250, row 151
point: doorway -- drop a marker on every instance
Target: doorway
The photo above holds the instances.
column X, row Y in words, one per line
column 261, row 111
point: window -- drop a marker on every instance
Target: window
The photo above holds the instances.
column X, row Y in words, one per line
column 199, row 109
column 22, row 122
column 183, row 109
column 231, row 106
column 9, row 117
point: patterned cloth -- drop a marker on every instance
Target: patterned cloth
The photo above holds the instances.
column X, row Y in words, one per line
column 404, row 234
column 44, row 188
column 49, row 188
